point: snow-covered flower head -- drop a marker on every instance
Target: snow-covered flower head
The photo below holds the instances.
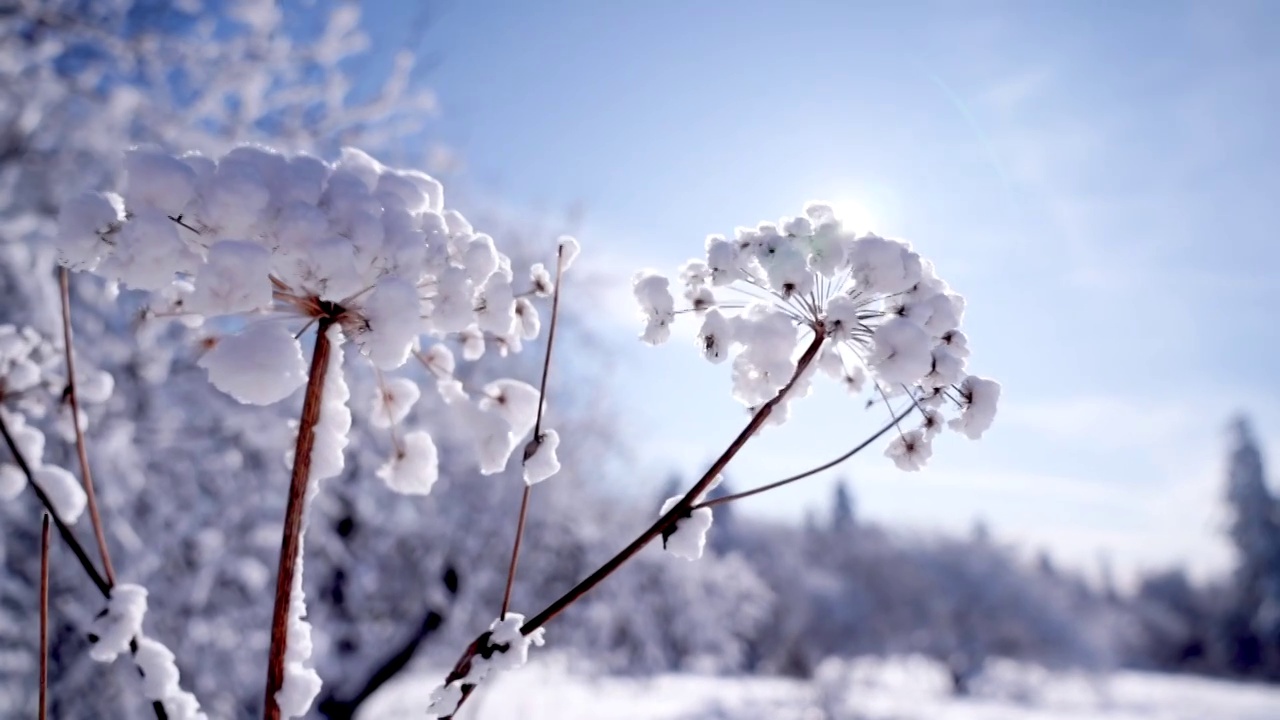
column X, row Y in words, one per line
column 867, row 307
column 273, row 245
column 286, row 240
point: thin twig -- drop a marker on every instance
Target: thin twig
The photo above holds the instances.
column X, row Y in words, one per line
column 812, row 471
column 515, row 550
column 44, row 617
column 291, row 537
column 82, row 451
column 681, row 508
column 537, row 432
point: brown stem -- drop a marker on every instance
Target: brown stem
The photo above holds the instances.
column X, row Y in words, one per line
column 812, row 471
column 681, row 508
column 44, row 617
column 537, row 433
column 86, row 476
column 515, row 551
column 669, row 519
column 292, row 535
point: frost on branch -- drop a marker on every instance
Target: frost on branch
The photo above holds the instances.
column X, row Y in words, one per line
column 159, row 673
column 117, row 628
column 63, row 490
column 503, row 647
column 688, row 536
column 119, row 623
column 882, row 311
column 540, row 461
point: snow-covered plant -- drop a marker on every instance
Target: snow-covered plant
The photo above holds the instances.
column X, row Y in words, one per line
column 37, row 380
column 267, row 246
column 787, row 299
column 784, row 301
column 874, row 312
column 503, row 647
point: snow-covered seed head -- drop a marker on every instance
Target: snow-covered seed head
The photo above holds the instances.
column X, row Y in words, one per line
column 881, row 310
column 289, row 240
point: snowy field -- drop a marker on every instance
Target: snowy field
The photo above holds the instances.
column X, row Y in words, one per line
column 902, row 689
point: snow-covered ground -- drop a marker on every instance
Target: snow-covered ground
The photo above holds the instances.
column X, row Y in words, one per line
column 898, row 689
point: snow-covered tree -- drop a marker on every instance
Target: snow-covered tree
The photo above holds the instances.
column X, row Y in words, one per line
column 1252, row 626
column 842, row 513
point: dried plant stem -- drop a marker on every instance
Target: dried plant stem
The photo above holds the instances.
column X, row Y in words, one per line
column 86, row 476
column 291, row 539
column 811, row 471
column 42, row 712
column 683, row 507
column 537, row 432
column 515, row 551
column 101, row 583
column 668, row 520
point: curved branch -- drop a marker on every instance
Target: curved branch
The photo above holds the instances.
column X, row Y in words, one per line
column 686, row 503
column 812, row 471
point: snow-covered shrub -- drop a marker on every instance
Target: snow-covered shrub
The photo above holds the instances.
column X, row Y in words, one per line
column 272, row 245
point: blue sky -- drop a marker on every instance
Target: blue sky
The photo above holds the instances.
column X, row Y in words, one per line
column 1098, row 179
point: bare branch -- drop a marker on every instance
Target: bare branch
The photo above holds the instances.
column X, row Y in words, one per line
column 669, row 519
column 812, row 471
column 537, row 432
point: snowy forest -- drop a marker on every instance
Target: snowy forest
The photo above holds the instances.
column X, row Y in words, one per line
column 282, row 409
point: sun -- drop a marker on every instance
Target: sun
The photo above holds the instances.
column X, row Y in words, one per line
column 853, row 213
